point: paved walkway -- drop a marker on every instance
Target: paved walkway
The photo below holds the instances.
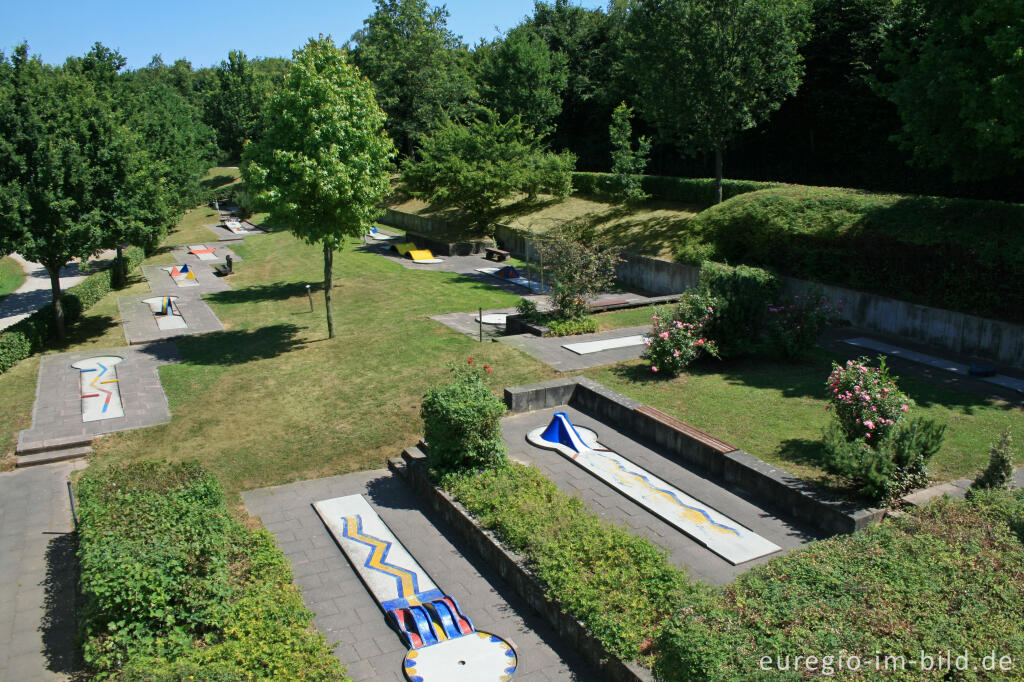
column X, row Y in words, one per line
column 140, row 323
column 609, row 503
column 35, row 292
column 550, row 350
column 37, row 574
column 350, row 618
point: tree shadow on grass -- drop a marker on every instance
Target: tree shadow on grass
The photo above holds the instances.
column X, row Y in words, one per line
column 87, row 328
column 217, row 181
column 237, row 347
column 263, row 292
column 59, row 626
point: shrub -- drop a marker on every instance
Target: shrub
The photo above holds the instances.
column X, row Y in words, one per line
column 627, row 163
column 677, row 336
column 865, row 400
column 620, row 586
column 572, row 326
column 580, row 273
column 700, row 191
column 33, row 333
column 999, row 472
column 171, row 580
column 914, row 248
column 795, row 324
column 742, row 295
column 889, row 467
column 462, row 422
column 527, row 309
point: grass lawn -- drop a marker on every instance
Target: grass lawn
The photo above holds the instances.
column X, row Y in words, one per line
column 776, row 411
column 270, row 399
column 11, row 276
column 630, row 317
column 650, row 229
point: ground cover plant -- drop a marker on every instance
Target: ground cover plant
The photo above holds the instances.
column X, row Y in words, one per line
column 948, row 577
column 621, row 586
column 11, row 276
column 172, row 584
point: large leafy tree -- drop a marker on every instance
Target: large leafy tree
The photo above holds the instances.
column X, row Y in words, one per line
column 958, row 85
column 324, row 164
column 419, row 67
column 521, row 75
column 708, row 69
column 235, row 102
column 68, row 167
column 477, row 164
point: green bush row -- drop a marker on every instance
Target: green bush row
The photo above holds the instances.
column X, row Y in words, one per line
column 956, row 254
column 699, row 191
column 946, row 578
column 174, row 588
column 621, row 586
column 32, row 334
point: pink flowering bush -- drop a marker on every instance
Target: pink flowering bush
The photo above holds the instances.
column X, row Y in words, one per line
column 865, row 400
column 677, row 336
column 795, row 324
column 871, row 443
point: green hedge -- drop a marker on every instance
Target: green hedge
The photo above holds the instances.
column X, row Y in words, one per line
column 172, row 584
column 946, row 578
column 32, row 334
column 956, row 254
column 620, row 586
column 686, row 190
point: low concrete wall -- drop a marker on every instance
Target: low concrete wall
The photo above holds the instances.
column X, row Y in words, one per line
column 440, row 247
column 993, row 340
column 416, row 223
column 512, row 568
column 769, row 486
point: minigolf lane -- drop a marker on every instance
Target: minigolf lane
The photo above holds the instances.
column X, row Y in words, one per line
column 443, row 643
column 714, row 530
column 101, row 396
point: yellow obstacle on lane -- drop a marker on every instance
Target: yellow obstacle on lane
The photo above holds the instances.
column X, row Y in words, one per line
column 422, row 254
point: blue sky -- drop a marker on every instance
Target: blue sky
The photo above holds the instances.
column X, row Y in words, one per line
column 204, row 32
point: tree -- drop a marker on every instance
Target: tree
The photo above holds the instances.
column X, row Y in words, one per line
column 419, row 67
column 477, row 164
column 324, row 165
column 520, row 75
column 958, row 85
column 66, row 167
column 580, row 271
column 627, row 163
column 235, row 105
column 708, row 69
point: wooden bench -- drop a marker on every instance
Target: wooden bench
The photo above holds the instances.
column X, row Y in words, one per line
column 495, row 254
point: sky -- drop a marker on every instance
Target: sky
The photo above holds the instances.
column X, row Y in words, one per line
column 204, row 32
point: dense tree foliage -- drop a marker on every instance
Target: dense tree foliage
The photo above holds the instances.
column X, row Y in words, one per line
column 520, row 75
column 959, row 85
column 324, row 164
column 627, row 163
column 708, row 69
column 477, row 164
column 235, row 105
column 419, row 67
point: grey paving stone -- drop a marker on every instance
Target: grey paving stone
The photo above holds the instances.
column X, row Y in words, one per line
column 365, row 643
column 550, row 352
column 616, row 507
column 58, row 392
column 181, row 254
column 160, row 281
column 140, row 325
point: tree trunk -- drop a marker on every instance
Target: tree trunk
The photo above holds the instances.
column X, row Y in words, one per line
column 58, row 310
column 328, row 284
column 120, row 271
column 718, row 174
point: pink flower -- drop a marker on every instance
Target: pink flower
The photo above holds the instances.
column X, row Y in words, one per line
column 874, row 409
column 699, row 342
column 870, row 424
column 675, row 353
column 904, row 408
column 663, row 335
column 653, row 368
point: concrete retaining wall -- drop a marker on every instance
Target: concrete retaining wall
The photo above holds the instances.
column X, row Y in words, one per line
column 993, row 340
column 512, row 568
column 771, row 487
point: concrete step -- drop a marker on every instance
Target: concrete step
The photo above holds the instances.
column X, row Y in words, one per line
column 50, row 456
column 33, row 447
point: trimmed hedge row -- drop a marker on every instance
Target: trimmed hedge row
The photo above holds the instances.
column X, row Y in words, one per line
column 176, row 589
column 620, row 586
column 32, row 334
column 957, row 254
column 687, row 190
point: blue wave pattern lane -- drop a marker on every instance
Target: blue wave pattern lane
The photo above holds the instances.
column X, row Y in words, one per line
column 704, row 524
column 406, row 581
